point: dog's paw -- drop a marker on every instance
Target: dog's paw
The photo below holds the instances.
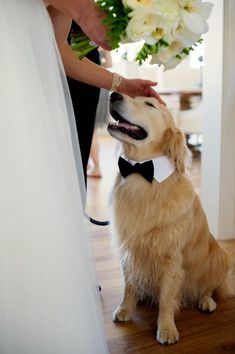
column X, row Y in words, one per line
column 167, row 335
column 122, row 315
column 207, row 304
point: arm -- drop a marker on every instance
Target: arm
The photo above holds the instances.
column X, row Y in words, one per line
column 86, row 71
column 82, row 70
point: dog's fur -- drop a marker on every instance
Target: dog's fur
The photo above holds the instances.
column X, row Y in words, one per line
column 167, row 251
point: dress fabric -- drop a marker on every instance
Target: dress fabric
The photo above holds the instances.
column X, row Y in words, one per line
column 102, row 112
column 85, row 100
column 49, row 303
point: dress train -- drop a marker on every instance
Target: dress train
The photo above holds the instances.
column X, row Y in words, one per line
column 49, row 302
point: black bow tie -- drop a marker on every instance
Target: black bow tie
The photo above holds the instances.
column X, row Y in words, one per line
column 145, row 169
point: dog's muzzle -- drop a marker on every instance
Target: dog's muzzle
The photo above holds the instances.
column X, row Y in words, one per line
column 121, row 124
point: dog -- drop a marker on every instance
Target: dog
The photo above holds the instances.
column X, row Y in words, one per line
column 167, row 251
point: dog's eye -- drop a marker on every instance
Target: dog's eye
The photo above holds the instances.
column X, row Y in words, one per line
column 149, row 104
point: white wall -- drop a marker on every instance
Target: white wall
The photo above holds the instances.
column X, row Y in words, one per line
column 218, row 156
column 183, row 77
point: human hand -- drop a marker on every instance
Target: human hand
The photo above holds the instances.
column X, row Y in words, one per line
column 92, row 25
column 139, row 87
column 88, row 16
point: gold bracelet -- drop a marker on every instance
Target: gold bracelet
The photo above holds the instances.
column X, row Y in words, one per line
column 116, row 82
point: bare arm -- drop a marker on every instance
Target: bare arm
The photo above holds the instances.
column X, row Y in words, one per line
column 83, row 70
column 86, row 71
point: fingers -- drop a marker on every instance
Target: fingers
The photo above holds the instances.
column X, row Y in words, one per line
column 99, row 37
column 150, row 83
column 92, row 25
column 158, row 97
column 149, row 91
column 104, row 45
column 100, row 33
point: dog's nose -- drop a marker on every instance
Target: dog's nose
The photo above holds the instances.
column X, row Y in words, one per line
column 115, row 97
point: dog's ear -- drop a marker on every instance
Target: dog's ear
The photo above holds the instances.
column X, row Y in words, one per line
column 174, row 147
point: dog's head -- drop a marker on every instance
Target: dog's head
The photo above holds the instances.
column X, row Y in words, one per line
column 146, row 129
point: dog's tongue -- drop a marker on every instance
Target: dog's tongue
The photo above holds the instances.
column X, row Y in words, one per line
column 124, row 125
column 127, row 126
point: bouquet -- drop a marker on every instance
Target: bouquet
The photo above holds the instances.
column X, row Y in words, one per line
column 169, row 29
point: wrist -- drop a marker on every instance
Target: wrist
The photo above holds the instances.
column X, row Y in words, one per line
column 123, row 86
column 116, row 82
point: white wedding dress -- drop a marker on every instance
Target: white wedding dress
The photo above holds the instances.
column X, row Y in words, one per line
column 49, row 302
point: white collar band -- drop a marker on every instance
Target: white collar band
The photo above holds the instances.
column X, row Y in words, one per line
column 163, row 167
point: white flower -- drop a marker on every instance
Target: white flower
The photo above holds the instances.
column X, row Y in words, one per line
column 141, row 25
column 182, row 34
column 194, row 15
column 168, row 9
column 148, row 25
column 174, row 62
column 167, row 56
column 165, row 8
column 135, row 4
column 179, row 23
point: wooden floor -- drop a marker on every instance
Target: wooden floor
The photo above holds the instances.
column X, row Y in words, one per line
column 199, row 333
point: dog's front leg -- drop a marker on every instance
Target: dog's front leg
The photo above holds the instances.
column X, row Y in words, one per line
column 170, row 283
column 127, row 307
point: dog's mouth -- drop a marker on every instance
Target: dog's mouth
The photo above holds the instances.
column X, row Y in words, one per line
column 132, row 130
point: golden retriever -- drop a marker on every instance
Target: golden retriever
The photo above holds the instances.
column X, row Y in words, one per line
column 167, row 251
